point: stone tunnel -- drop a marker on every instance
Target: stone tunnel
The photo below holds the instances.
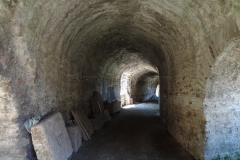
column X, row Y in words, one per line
column 55, row 53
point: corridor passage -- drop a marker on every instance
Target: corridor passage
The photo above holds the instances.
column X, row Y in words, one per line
column 133, row 134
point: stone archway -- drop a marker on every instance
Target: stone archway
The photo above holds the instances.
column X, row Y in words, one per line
column 222, row 104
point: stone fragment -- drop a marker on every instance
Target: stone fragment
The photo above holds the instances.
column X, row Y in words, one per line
column 50, row 139
column 107, row 115
column 85, row 121
column 97, row 103
column 75, row 136
column 98, row 121
column 113, row 107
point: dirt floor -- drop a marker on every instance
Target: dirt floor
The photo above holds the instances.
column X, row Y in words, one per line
column 133, row 134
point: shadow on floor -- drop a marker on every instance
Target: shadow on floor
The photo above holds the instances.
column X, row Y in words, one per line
column 134, row 134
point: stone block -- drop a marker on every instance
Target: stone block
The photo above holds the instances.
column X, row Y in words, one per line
column 85, row 121
column 50, row 139
column 97, row 103
column 75, row 136
column 98, row 121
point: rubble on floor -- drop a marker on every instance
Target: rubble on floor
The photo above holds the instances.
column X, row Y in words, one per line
column 52, row 140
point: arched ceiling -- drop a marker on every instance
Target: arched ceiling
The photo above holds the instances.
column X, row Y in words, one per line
column 89, row 31
column 49, row 44
column 127, row 63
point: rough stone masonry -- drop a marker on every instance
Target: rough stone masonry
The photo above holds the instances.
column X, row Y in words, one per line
column 55, row 53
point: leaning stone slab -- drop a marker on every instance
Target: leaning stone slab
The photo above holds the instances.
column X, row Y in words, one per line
column 85, row 121
column 75, row 136
column 50, row 139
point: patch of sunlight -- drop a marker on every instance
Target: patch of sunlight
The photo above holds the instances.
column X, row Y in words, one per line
column 157, row 90
column 129, row 106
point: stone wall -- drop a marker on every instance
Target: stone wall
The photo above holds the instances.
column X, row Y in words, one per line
column 50, row 48
column 222, row 105
column 187, row 87
column 14, row 95
column 145, row 88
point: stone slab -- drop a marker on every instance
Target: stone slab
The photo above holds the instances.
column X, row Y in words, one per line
column 98, row 121
column 97, row 103
column 75, row 136
column 113, row 107
column 85, row 121
column 50, row 139
column 107, row 115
